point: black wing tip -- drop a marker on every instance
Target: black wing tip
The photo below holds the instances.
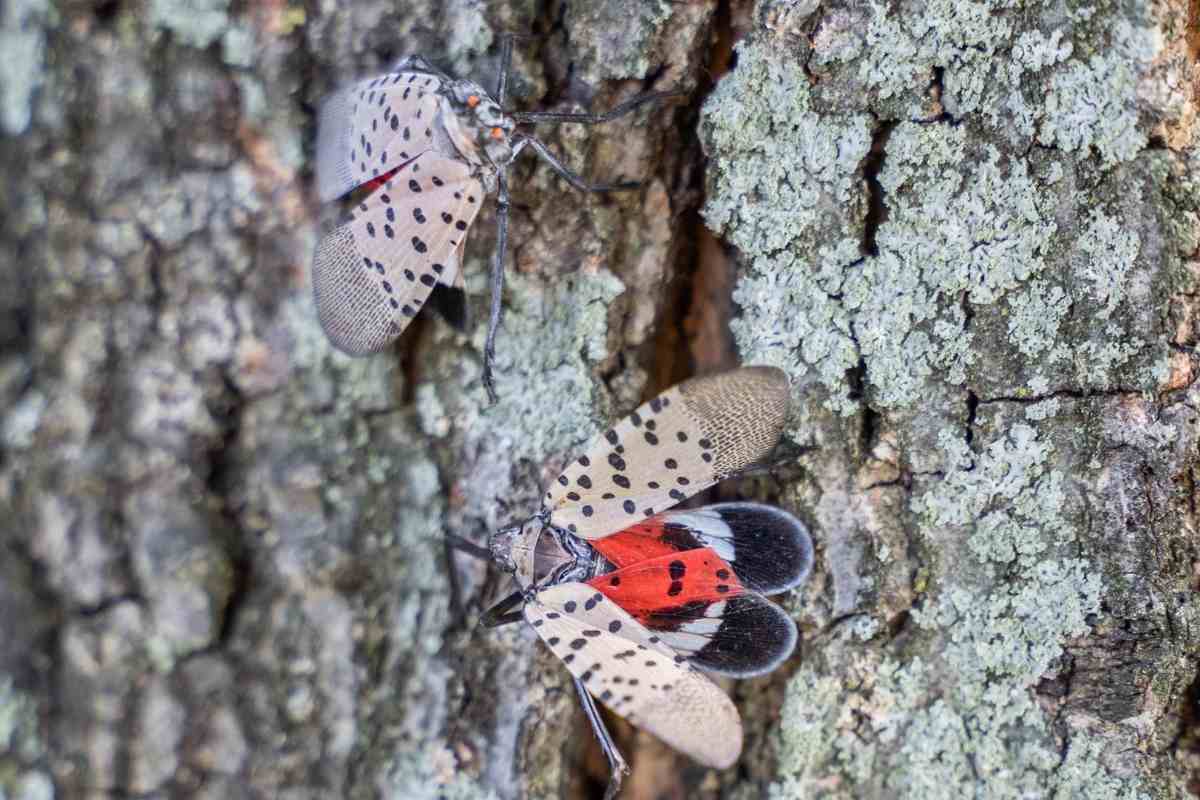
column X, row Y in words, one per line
column 786, row 528
column 450, row 303
column 774, row 640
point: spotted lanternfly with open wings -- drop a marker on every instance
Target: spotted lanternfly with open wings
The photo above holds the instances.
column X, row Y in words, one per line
column 636, row 599
column 427, row 149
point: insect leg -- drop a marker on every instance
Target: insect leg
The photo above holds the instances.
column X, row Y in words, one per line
column 506, row 47
column 570, row 177
column 459, row 543
column 501, row 613
column 593, row 119
column 419, row 64
column 450, row 543
column 489, row 347
column 458, row 612
column 619, row 768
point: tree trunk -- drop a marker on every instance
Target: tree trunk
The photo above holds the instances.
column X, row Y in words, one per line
column 969, row 233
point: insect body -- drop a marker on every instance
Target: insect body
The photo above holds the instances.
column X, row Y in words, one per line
column 635, row 599
column 428, row 148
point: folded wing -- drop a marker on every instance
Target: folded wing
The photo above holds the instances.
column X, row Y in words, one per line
column 374, row 272
column 632, row 672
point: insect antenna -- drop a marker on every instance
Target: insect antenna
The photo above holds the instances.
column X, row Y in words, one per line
column 592, row 119
column 619, row 768
column 506, row 48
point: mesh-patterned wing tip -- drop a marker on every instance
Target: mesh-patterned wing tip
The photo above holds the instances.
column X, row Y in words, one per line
column 334, row 129
column 688, row 438
column 352, row 310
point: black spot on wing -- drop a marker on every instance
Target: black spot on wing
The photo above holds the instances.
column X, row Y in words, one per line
column 679, row 536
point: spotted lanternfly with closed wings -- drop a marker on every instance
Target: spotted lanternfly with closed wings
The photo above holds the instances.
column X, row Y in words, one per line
column 636, row 599
column 427, row 149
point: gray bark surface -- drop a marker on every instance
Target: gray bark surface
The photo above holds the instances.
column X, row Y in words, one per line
column 969, row 232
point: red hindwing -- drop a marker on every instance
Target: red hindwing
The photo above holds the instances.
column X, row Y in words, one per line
column 382, row 179
column 649, row 587
column 640, row 542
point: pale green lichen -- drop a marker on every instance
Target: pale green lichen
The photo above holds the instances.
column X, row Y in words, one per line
column 995, row 71
column 1109, row 251
column 23, row 42
column 983, row 257
column 966, row 724
column 431, row 774
column 810, row 329
column 551, row 335
column 614, row 38
column 1036, row 412
column 198, row 23
column 793, row 161
column 1093, row 102
column 797, row 165
column 19, row 736
column 898, row 55
column 238, row 46
column 967, row 226
column 32, row 785
column 467, row 32
column 964, row 227
column 1035, row 317
column 20, row 744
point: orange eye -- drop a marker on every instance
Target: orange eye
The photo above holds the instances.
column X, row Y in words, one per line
column 473, row 101
column 497, row 133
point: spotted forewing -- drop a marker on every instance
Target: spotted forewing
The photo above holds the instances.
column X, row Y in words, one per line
column 373, row 273
column 635, row 674
column 369, row 128
column 681, row 442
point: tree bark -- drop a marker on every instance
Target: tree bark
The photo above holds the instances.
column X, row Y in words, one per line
column 969, row 232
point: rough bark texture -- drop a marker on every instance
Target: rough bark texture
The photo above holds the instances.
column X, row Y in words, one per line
column 968, row 231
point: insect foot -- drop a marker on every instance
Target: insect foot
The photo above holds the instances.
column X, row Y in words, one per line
column 637, row 600
column 425, row 149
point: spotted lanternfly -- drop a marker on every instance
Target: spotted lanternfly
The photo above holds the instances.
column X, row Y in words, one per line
column 427, row 149
column 636, row 599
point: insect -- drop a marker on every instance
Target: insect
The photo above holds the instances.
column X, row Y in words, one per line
column 636, row 599
column 427, row 149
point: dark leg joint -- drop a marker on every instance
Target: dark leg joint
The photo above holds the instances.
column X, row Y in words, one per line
column 501, row 614
column 619, row 768
column 570, row 177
